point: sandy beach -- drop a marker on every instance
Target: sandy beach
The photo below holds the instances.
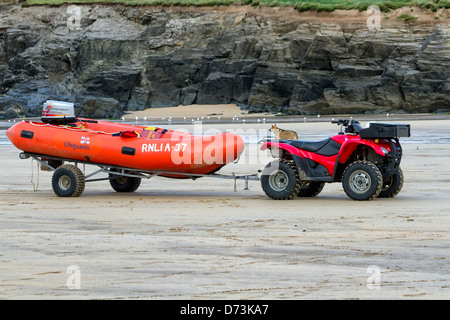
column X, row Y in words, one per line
column 184, row 239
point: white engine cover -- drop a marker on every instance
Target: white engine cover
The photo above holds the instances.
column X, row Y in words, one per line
column 58, row 111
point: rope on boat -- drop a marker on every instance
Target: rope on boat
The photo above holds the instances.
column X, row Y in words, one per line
column 68, row 128
column 35, row 185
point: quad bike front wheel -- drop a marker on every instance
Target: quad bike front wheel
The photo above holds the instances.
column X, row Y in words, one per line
column 279, row 180
column 362, row 180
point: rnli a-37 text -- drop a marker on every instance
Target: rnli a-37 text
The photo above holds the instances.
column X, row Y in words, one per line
column 158, row 147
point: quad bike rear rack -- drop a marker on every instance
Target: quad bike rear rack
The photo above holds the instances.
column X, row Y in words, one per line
column 132, row 172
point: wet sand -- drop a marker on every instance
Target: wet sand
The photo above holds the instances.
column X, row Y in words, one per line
column 184, row 239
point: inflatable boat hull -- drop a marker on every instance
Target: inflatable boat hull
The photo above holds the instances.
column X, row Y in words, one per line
column 128, row 146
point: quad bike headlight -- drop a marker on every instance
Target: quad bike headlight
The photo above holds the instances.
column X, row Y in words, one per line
column 385, row 151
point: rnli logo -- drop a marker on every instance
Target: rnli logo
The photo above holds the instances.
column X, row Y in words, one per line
column 85, row 140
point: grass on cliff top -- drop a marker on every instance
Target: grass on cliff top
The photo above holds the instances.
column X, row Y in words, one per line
column 318, row 5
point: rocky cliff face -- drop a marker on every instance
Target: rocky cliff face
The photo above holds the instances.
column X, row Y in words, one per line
column 112, row 59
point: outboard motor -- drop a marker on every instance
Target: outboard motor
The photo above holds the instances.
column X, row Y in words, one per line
column 58, row 112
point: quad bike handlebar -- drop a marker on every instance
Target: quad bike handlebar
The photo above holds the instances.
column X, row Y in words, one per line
column 351, row 126
column 343, row 122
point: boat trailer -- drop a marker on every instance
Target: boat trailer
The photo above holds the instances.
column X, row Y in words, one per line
column 69, row 180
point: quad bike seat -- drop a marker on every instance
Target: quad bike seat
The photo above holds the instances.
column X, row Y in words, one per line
column 311, row 146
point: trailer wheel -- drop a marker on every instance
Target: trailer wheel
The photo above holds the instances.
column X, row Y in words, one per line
column 68, row 181
column 392, row 185
column 362, row 180
column 123, row 184
column 280, row 181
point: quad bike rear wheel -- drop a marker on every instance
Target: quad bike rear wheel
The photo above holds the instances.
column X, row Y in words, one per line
column 310, row 189
column 280, row 180
column 362, row 180
column 392, row 185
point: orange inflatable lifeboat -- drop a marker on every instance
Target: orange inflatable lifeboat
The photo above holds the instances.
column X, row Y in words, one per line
column 137, row 147
column 175, row 154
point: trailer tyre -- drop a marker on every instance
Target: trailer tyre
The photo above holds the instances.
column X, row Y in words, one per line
column 68, row 181
column 124, row 184
column 280, row 181
column 362, row 180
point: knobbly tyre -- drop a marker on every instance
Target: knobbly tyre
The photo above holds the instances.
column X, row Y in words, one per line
column 365, row 160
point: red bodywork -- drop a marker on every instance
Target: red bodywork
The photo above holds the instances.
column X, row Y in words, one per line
column 348, row 143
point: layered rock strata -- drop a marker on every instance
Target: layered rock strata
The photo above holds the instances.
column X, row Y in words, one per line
column 113, row 59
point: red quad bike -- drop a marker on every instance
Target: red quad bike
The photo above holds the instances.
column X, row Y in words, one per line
column 365, row 160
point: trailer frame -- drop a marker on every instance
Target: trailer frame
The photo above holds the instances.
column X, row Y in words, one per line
column 129, row 172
